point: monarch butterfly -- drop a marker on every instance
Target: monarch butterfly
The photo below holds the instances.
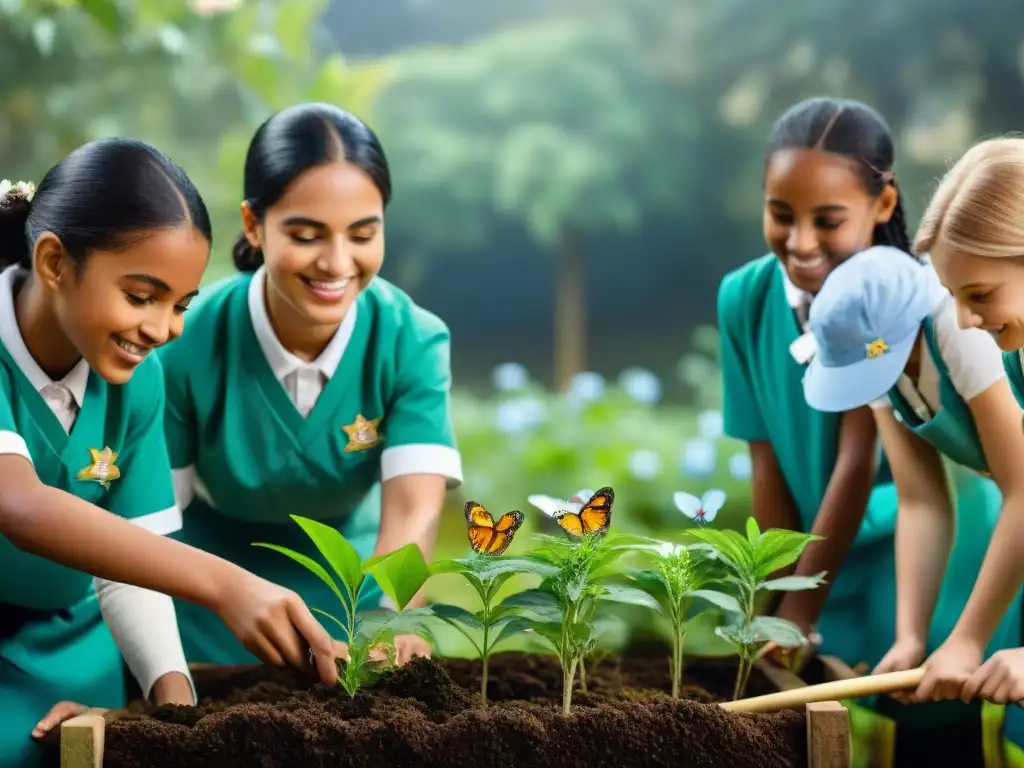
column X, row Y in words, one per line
column 577, row 518
column 703, row 510
column 486, row 536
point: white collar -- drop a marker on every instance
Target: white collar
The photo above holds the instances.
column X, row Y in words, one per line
column 282, row 362
column 795, row 297
column 10, row 336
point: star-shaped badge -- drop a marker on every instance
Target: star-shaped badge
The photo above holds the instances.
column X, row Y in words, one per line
column 362, row 434
column 101, row 469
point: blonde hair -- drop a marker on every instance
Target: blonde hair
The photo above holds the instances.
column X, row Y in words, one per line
column 978, row 208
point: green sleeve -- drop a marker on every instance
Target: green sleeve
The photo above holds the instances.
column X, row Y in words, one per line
column 418, row 433
column 1012, row 364
column 741, row 413
column 144, row 493
column 11, row 442
column 179, row 412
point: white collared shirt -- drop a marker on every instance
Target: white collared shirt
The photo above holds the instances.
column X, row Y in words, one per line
column 65, row 397
column 304, row 382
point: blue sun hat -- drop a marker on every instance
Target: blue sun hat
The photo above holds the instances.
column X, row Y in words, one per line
column 865, row 320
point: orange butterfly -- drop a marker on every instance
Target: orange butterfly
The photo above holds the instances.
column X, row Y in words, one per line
column 486, row 536
column 595, row 517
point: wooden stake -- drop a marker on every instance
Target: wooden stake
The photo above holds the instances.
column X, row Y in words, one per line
column 828, row 735
column 81, row 740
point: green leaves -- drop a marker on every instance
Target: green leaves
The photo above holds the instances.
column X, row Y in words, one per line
column 339, row 554
column 400, row 574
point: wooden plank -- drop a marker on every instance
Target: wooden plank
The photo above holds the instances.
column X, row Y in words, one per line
column 828, row 735
column 81, row 740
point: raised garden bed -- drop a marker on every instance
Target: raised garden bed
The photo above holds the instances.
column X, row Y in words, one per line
column 427, row 714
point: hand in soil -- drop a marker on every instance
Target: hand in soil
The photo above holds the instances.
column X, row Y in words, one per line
column 948, row 670
column 793, row 659
column 408, row 647
column 48, row 729
column 272, row 623
column 999, row 680
column 906, row 653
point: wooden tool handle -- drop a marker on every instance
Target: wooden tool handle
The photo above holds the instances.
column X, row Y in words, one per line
column 855, row 688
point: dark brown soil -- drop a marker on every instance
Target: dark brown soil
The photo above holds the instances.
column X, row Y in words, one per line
column 427, row 714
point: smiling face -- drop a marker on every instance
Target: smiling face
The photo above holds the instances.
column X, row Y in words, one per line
column 322, row 243
column 989, row 293
column 118, row 306
column 817, row 213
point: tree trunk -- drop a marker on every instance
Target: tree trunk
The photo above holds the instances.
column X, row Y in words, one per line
column 570, row 310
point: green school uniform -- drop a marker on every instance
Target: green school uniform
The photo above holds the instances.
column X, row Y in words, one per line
column 384, row 412
column 53, row 642
column 764, row 401
column 953, row 433
column 1012, row 363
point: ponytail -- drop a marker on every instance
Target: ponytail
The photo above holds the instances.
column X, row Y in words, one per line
column 15, row 205
column 894, row 232
column 246, row 257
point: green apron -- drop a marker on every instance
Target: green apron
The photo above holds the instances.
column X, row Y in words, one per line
column 66, row 654
column 1012, row 363
column 953, row 433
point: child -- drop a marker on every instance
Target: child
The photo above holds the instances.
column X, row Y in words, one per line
column 886, row 328
column 830, row 192
column 102, row 261
column 973, row 230
column 308, row 384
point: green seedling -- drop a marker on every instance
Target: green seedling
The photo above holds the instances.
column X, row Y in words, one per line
column 680, row 573
column 562, row 610
column 747, row 564
column 495, row 622
column 400, row 574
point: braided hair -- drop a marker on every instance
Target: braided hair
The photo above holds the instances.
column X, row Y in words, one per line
column 854, row 130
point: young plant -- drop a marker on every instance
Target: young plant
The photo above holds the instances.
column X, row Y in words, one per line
column 562, row 610
column 487, row 572
column 400, row 574
column 747, row 565
column 676, row 583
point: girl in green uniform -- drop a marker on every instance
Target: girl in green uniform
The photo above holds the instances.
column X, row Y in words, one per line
column 829, row 193
column 973, row 229
column 887, row 334
column 100, row 264
column 308, row 385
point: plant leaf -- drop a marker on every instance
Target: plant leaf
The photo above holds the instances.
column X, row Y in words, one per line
column 344, row 629
column 491, row 567
column 775, row 630
column 794, row 583
column 538, row 601
column 753, row 532
column 778, row 548
column 719, row 599
column 336, row 550
column 310, row 564
column 440, row 567
column 400, row 574
column 549, row 630
column 653, row 583
column 508, row 628
column 736, row 549
column 631, row 595
column 376, row 620
column 453, row 614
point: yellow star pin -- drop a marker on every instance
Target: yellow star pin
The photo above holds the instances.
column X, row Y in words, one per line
column 362, row 434
column 101, row 470
column 876, row 348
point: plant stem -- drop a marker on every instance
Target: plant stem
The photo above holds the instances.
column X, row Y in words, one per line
column 483, row 671
column 568, row 675
column 742, row 675
column 583, row 676
column 678, row 639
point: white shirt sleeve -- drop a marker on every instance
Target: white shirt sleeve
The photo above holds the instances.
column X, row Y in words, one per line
column 972, row 356
column 184, row 486
column 145, row 628
column 881, row 403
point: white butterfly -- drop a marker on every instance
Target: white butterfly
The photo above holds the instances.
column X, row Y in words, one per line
column 703, row 510
column 553, row 507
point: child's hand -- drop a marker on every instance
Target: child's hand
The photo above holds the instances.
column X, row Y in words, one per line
column 906, row 653
column 999, row 680
column 948, row 669
column 48, row 728
column 408, row 647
